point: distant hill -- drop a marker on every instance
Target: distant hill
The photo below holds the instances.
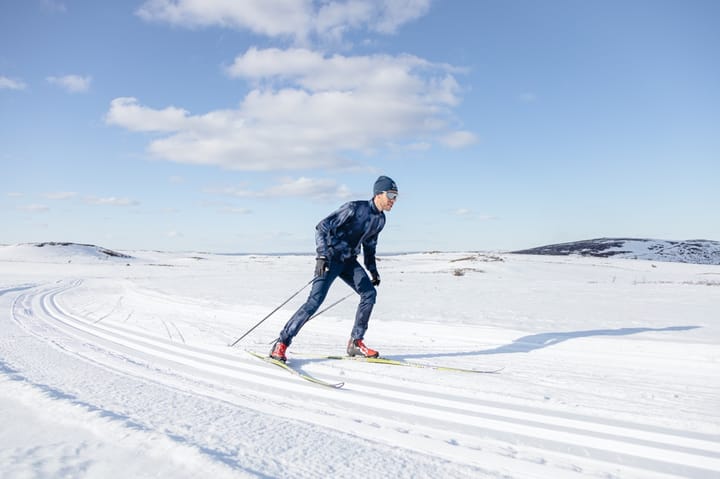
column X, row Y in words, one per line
column 690, row 251
column 60, row 252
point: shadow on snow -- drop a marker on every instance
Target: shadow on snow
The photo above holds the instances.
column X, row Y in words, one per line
column 533, row 342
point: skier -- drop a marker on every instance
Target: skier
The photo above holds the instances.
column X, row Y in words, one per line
column 339, row 238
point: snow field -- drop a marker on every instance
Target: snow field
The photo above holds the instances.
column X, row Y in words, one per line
column 610, row 370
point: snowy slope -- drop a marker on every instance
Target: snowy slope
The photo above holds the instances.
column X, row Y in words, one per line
column 116, row 369
column 59, row 253
column 690, row 251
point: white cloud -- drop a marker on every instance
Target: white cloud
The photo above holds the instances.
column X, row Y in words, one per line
column 459, row 139
column 10, row 84
column 235, row 210
column 111, row 200
column 419, row 146
column 126, row 112
column 469, row 214
column 52, row 6
column 315, row 71
column 394, row 14
column 334, row 19
column 315, row 188
column 61, row 195
column 71, row 83
column 35, row 208
column 306, row 111
column 298, row 19
column 267, row 17
column 291, row 187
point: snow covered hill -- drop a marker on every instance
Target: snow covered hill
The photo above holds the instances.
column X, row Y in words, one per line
column 120, row 368
column 59, row 252
column 690, row 251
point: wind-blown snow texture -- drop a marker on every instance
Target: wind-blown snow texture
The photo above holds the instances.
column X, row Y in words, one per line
column 117, row 367
column 690, row 251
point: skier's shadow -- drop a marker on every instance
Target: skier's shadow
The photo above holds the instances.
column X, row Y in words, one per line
column 533, row 342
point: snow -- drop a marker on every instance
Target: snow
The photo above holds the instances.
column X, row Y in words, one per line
column 115, row 367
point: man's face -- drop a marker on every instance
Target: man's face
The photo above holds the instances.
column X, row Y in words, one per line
column 385, row 200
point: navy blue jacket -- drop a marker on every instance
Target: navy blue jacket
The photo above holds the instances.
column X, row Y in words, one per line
column 340, row 236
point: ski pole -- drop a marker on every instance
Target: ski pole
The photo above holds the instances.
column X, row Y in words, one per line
column 321, row 312
column 271, row 313
column 334, row 304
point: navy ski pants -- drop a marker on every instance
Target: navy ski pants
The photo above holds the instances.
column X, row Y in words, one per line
column 355, row 276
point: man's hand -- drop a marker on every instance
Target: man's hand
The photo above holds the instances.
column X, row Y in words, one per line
column 375, row 279
column 321, row 266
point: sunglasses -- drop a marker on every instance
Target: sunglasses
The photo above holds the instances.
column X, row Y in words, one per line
column 392, row 195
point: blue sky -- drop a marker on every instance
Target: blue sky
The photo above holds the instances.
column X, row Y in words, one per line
column 236, row 127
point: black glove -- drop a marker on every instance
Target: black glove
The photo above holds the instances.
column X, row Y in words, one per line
column 321, row 266
column 375, row 279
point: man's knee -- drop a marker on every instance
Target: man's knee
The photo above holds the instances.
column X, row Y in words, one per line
column 311, row 306
column 368, row 295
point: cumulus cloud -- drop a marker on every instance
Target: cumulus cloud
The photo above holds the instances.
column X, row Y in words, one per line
column 11, row 84
column 128, row 113
column 267, row 17
column 298, row 19
column 71, row 83
column 306, row 110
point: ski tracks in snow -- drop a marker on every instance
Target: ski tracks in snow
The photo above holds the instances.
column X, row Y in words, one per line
column 453, row 429
column 175, row 333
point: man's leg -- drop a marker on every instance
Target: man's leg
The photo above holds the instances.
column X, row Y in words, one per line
column 356, row 277
column 320, row 287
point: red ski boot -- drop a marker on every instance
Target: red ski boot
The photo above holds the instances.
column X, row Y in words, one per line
column 356, row 347
column 278, row 351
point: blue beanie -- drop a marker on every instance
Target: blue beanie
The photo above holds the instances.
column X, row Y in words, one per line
column 384, row 183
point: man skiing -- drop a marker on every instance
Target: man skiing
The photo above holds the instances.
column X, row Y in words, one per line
column 339, row 238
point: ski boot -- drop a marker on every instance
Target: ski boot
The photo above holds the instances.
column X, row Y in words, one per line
column 356, row 347
column 278, row 351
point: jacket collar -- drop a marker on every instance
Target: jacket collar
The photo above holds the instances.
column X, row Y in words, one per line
column 373, row 208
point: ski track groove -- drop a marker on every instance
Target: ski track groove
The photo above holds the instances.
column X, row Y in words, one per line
column 167, row 330
column 179, row 333
column 458, row 418
column 110, row 313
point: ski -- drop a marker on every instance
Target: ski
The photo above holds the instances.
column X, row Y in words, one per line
column 305, row 376
column 412, row 364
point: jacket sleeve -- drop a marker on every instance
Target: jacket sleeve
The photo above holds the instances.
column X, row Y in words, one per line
column 369, row 255
column 326, row 230
column 369, row 247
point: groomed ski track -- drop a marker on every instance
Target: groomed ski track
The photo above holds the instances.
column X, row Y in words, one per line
column 245, row 418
